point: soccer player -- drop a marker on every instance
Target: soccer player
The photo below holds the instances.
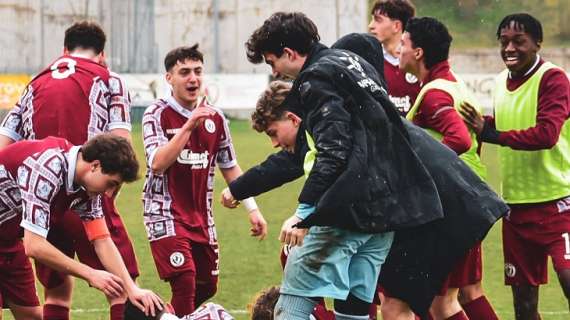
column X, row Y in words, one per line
column 184, row 139
column 208, row 311
column 531, row 110
column 75, row 98
column 424, row 53
column 39, row 181
column 389, row 18
column 330, row 87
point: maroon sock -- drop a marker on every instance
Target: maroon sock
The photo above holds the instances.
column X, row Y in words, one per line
column 458, row 316
column 480, row 309
column 118, row 311
column 373, row 311
column 183, row 293
column 55, row 312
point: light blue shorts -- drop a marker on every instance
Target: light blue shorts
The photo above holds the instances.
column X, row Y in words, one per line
column 333, row 262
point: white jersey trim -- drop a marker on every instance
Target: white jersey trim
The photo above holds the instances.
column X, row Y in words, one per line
column 10, row 134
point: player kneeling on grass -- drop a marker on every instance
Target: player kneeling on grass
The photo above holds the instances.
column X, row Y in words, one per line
column 39, row 181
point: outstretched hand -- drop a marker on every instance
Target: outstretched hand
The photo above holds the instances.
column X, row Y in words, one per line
column 147, row 301
column 290, row 235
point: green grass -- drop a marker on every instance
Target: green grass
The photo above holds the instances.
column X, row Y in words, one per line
column 248, row 265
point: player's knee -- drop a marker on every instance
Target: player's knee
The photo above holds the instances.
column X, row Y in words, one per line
column 352, row 306
column 183, row 284
column 470, row 293
column 392, row 308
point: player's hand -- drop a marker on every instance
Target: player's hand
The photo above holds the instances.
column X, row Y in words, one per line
column 108, row 283
column 290, row 235
column 228, row 200
column 199, row 114
column 147, row 301
column 258, row 224
column 472, row 117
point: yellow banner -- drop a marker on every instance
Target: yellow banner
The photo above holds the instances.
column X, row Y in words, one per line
column 11, row 87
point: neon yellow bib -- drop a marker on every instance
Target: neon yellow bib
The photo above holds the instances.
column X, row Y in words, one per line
column 459, row 92
column 529, row 176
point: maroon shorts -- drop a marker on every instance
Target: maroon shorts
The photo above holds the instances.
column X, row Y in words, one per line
column 178, row 254
column 527, row 244
column 469, row 270
column 68, row 235
column 17, row 283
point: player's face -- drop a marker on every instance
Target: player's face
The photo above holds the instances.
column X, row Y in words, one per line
column 96, row 182
column 408, row 55
column 283, row 133
column 186, row 81
column 285, row 67
column 383, row 27
column 518, row 49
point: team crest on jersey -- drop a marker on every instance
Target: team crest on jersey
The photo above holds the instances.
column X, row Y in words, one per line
column 510, row 270
column 410, row 78
column 210, row 126
column 176, row 259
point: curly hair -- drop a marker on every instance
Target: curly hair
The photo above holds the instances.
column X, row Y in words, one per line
column 86, row 35
column 115, row 154
column 270, row 106
column 181, row 54
column 525, row 22
column 432, row 36
column 264, row 303
column 293, row 30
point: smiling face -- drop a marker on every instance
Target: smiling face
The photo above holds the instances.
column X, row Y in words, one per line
column 186, row 81
column 283, row 132
column 518, row 49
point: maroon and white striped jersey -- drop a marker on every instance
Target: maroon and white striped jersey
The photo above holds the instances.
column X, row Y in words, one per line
column 180, row 199
column 36, row 185
column 75, row 98
column 403, row 88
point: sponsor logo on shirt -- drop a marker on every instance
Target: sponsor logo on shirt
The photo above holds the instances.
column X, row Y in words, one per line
column 176, row 259
column 172, row 131
column 563, row 205
column 403, row 104
column 198, row 160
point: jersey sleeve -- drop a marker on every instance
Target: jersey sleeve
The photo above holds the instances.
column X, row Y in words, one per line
column 39, row 178
column 153, row 133
column 13, row 123
column 119, row 103
column 226, row 157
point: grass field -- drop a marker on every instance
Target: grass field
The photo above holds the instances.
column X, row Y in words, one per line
column 248, row 265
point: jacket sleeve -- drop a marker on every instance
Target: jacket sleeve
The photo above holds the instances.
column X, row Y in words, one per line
column 328, row 123
column 278, row 169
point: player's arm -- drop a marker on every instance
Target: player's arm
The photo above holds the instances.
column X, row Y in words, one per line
column 119, row 104
column 166, row 154
column 11, row 127
column 440, row 115
column 256, row 219
column 40, row 249
column 552, row 113
column 5, row 141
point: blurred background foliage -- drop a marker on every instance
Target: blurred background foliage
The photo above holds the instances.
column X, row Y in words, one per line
column 473, row 23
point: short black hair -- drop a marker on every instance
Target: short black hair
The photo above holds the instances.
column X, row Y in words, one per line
column 432, row 36
column 115, row 154
column 182, row 54
column 86, row 35
column 293, row 30
column 401, row 10
column 524, row 21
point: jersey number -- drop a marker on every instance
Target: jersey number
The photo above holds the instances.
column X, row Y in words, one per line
column 566, row 237
column 70, row 68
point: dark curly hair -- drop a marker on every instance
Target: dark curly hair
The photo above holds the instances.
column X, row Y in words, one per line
column 181, row 54
column 401, row 10
column 270, row 105
column 115, row 154
column 432, row 36
column 85, row 35
column 524, row 21
column 264, row 303
column 293, row 30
